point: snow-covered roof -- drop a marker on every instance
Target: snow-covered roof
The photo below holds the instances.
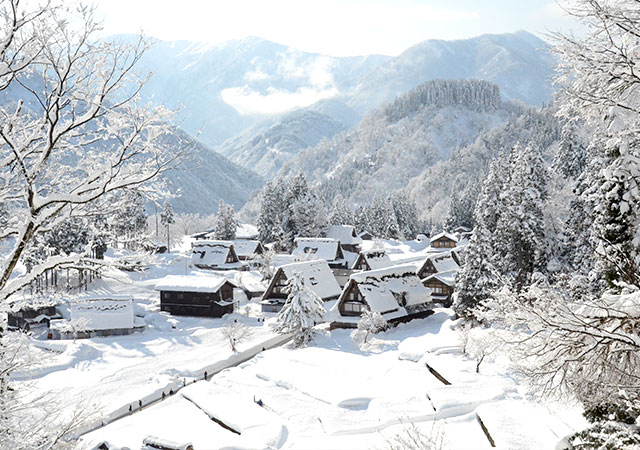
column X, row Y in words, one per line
column 317, row 276
column 319, row 248
column 444, row 234
column 448, row 278
column 192, row 283
column 104, row 314
column 391, row 291
column 346, row 234
column 443, row 262
column 377, row 259
column 209, row 253
column 245, row 248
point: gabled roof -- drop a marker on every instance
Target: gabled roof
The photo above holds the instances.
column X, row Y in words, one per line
column 376, row 259
column 104, row 314
column 446, row 235
column 346, row 234
column 391, row 291
column 192, row 283
column 316, row 275
column 318, row 248
column 213, row 254
column 448, row 278
column 245, row 248
column 442, row 262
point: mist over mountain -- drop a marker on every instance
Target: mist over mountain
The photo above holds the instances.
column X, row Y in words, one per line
column 226, row 88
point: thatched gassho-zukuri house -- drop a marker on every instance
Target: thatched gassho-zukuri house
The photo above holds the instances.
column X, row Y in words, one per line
column 193, row 295
column 215, row 255
column 372, row 260
column 246, row 249
column 395, row 292
column 320, row 248
column 347, row 236
column 316, row 275
column 442, row 285
column 444, row 240
column 439, row 262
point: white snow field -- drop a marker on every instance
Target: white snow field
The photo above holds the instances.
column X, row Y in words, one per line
column 332, row 395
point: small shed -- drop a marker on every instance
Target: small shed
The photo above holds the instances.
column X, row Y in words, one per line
column 97, row 317
column 320, row 248
column 216, row 255
column 316, row 275
column 395, row 292
column 444, row 240
column 372, row 260
column 31, row 317
column 442, row 285
column 366, row 236
column 246, row 249
column 347, row 236
column 193, row 295
column 440, row 262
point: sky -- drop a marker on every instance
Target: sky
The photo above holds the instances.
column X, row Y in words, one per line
column 331, row 27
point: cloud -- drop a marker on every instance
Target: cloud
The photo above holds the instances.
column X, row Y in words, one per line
column 248, row 101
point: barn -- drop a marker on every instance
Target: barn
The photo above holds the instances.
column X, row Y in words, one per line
column 215, row 255
column 316, row 275
column 193, row 295
column 395, row 292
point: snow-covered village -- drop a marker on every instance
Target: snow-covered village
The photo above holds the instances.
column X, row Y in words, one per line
column 389, row 225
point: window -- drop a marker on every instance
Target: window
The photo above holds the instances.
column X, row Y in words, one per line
column 353, row 307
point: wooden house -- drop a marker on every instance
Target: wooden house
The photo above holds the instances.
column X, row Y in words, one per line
column 439, row 262
column 444, row 240
column 316, row 275
column 215, row 255
column 193, row 295
column 442, row 285
column 366, row 236
column 372, row 260
column 319, row 248
column 346, row 234
column 247, row 249
column 97, row 317
column 395, row 292
column 32, row 317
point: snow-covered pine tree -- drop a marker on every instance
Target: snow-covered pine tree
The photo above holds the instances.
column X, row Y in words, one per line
column 166, row 219
column 226, row 225
column 341, row 214
column 301, row 312
column 309, row 216
column 270, row 217
column 406, row 215
column 68, row 236
column 128, row 218
column 570, row 159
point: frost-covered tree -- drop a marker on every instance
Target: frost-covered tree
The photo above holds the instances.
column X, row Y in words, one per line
column 128, row 218
column 341, row 213
column 270, row 217
column 406, row 215
column 68, row 236
column 226, row 224
column 235, row 333
column 301, row 312
column 370, row 322
column 570, row 159
column 166, row 219
column 72, row 130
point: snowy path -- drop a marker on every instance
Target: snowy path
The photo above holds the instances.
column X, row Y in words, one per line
column 332, row 395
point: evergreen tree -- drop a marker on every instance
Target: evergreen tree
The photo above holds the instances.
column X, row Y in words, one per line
column 301, row 312
column 270, row 218
column 406, row 215
column 341, row 214
column 68, row 236
column 571, row 156
column 226, row 225
column 129, row 221
column 167, row 218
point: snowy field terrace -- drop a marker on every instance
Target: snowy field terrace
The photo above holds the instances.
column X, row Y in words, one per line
column 332, row 395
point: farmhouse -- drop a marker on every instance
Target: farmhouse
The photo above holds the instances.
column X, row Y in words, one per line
column 347, row 236
column 246, row 249
column 372, row 260
column 444, row 240
column 216, row 255
column 395, row 292
column 97, row 317
column 439, row 262
column 316, row 276
column 320, row 248
column 441, row 285
column 192, row 295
